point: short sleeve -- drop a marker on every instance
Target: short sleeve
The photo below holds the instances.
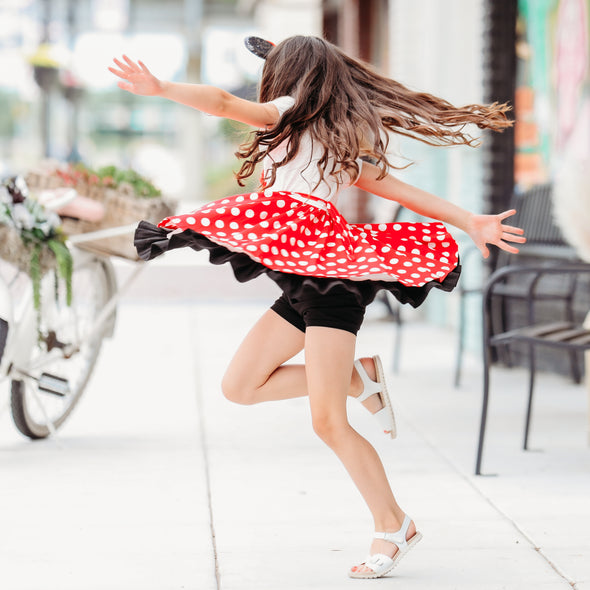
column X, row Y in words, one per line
column 283, row 103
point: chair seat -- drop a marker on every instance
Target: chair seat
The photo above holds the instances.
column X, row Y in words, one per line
column 557, row 334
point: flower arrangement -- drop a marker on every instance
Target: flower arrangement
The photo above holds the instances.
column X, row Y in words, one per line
column 42, row 242
column 126, row 181
column 126, row 195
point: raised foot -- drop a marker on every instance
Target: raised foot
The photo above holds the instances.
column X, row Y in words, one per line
column 369, row 380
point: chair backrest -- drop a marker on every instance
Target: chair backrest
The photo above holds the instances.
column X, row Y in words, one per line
column 535, row 215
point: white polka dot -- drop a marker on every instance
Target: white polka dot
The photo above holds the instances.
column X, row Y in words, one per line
column 401, row 248
column 234, row 225
column 415, row 275
column 279, row 263
column 397, row 226
column 235, row 211
column 263, row 214
column 191, row 220
column 295, row 255
column 251, row 248
column 252, row 236
column 220, row 210
column 311, row 267
column 445, row 244
column 239, row 199
column 253, row 196
column 416, row 259
column 176, row 220
column 411, row 228
column 385, row 249
column 264, row 224
column 205, row 221
column 264, row 247
column 238, row 236
column 284, row 238
column 281, row 203
column 382, row 226
column 394, row 260
column 225, row 201
column 276, row 224
column 249, row 213
column 408, row 264
column 219, row 223
column 274, row 250
column 402, row 271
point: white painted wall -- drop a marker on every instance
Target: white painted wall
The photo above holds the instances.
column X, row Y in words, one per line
column 279, row 19
column 437, row 47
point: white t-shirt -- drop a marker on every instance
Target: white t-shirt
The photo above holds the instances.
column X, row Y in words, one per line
column 301, row 174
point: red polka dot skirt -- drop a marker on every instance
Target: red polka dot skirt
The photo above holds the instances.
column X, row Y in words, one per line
column 302, row 235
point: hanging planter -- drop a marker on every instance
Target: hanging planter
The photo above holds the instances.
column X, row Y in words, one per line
column 31, row 239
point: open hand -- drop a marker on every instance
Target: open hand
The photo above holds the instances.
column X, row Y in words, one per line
column 138, row 79
column 488, row 229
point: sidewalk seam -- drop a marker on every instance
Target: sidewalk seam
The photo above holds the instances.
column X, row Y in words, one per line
column 203, row 440
column 468, row 479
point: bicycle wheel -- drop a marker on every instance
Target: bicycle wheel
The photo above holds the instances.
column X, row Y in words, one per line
column 64, row 355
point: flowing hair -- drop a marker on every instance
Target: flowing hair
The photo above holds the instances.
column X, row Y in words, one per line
column 349, row 110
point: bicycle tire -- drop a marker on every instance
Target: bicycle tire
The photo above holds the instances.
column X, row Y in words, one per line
column 92, row 287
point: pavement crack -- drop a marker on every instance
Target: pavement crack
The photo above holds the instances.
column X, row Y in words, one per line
column 204, row 449
column 469, row 480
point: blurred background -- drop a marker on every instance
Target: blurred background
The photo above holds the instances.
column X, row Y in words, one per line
column 58, row 100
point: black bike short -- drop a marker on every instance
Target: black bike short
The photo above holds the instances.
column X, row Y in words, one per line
column 338, row 308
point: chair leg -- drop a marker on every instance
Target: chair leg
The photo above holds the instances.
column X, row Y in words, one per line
column 575, row 367
column 484, row 408
column 532, row 369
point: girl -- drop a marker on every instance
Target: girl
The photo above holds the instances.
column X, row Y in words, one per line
column 319, row 112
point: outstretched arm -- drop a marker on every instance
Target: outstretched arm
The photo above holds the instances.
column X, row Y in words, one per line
column 482, row 229
column 209, row 99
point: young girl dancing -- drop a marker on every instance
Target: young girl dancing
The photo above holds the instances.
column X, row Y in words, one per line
column 320, row 114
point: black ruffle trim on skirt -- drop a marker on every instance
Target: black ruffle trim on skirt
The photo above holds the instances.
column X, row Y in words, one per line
column 152, row 241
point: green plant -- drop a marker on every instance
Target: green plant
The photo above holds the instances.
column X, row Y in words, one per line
column 39, row 229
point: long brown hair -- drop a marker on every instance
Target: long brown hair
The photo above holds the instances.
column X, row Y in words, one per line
column 349, row 110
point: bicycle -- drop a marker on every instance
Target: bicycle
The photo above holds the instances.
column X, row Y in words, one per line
column 48, row 363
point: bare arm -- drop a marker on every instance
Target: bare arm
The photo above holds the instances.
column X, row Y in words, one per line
column 208, row 99
column 482, row 229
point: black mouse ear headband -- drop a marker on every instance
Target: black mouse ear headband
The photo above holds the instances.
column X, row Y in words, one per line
column 258, row 46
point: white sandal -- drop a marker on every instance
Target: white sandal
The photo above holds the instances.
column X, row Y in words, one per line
column 385, row 415
column 381, row 564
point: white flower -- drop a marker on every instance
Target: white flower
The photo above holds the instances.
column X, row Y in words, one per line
column 22, row 217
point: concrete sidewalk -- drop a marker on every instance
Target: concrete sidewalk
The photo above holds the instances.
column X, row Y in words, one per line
column 158, row 483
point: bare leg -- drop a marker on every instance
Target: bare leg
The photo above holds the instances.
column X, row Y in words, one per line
column 257, row 372
column 329, row 356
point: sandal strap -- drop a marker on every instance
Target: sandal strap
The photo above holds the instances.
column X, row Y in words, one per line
column 399, row 537
column 370, row 387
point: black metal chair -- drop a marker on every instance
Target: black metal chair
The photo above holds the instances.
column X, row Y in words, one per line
column 544, row 243
column 565, row 335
